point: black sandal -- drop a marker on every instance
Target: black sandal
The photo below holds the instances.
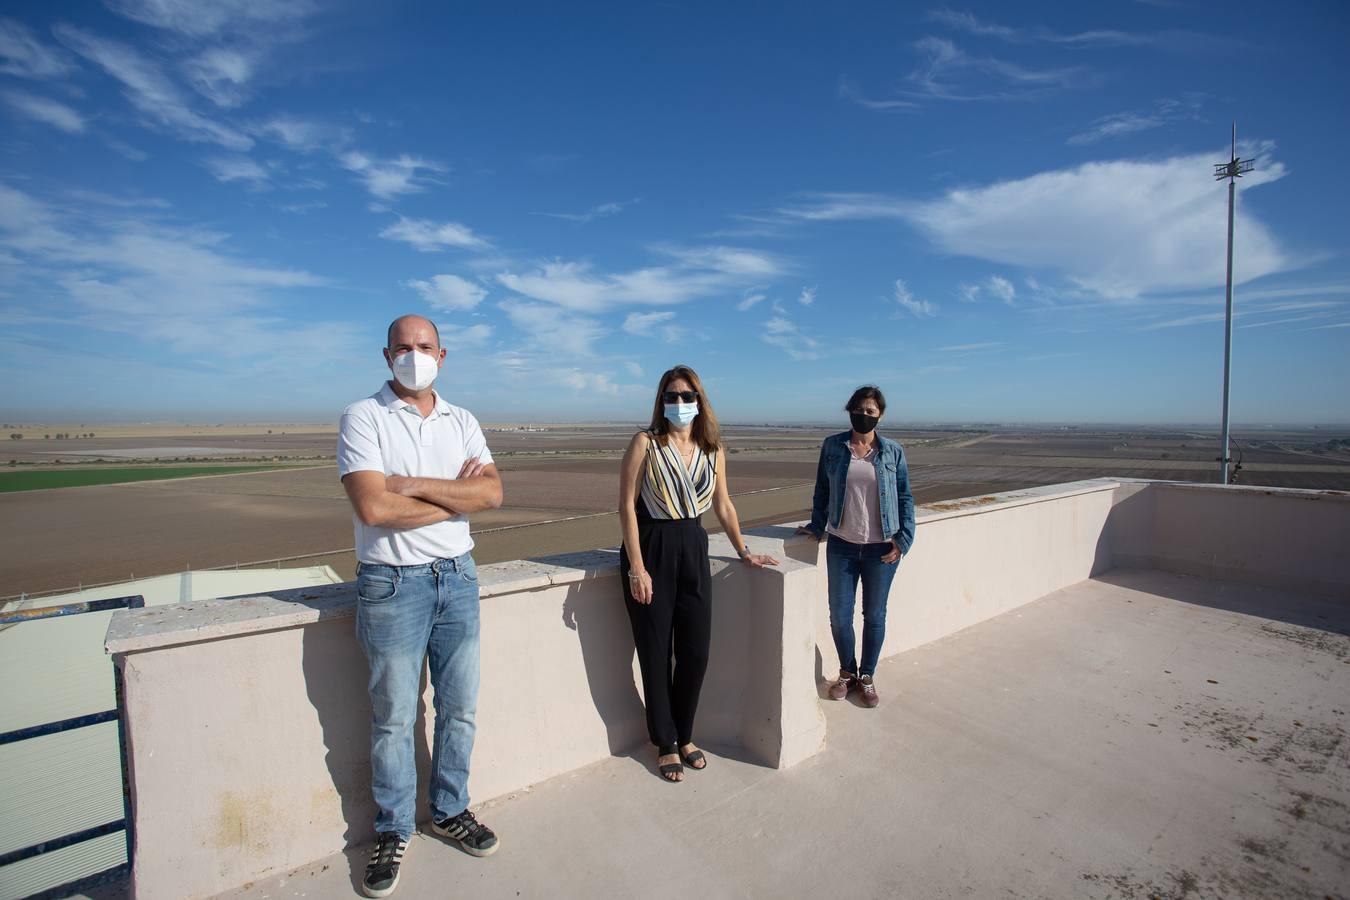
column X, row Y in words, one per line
column 691, row 758
column 669, row 769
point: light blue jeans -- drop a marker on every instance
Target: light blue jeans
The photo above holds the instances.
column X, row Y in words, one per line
column 407, row 616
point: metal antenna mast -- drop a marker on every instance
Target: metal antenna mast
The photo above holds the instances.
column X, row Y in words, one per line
column 1234, row 169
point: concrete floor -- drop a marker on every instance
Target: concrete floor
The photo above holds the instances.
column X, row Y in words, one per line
column 1136, row 736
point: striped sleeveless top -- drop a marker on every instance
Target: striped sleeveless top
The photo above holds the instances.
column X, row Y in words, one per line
column 669, row 490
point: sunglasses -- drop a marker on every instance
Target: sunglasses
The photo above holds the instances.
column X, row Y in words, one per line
column 679, row 396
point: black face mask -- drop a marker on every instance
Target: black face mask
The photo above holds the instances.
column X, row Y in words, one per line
column 862, row 422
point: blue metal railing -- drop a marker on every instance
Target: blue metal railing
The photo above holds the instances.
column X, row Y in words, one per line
column 123, row 824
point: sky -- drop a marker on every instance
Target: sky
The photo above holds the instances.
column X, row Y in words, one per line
column 211, row 209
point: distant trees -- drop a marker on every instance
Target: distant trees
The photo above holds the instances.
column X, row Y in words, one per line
column 16, row 436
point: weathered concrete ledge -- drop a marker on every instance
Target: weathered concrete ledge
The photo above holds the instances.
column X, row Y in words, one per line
column 185, row 623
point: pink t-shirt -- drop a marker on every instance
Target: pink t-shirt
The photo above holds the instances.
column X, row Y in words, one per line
column 861, row 521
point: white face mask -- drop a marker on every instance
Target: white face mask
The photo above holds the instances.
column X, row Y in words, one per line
column 415, row 370
column 681, row 415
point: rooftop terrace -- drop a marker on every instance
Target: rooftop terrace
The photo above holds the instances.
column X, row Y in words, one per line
column 1141, row 734
column 1107, row 688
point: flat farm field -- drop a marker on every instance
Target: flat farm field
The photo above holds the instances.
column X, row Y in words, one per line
column 286, row 506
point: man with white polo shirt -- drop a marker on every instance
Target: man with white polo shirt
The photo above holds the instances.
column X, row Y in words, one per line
column 414, row 468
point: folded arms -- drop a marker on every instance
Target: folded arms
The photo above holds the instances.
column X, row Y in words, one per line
column 401, row 501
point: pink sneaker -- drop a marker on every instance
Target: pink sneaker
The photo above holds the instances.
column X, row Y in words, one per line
column 839, row 689
column 869, row 692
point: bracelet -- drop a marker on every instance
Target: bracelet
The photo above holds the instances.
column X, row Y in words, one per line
column 633, row 576
column 743, row 553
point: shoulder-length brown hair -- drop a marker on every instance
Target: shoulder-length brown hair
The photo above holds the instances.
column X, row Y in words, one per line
column 706, row 432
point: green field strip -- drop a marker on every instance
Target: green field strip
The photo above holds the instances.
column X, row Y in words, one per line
column 64, row 478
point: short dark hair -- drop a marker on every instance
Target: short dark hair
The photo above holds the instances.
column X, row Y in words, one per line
column 389, row 335
column 866, row 392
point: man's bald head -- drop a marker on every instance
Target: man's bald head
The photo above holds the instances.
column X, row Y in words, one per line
column 411, row 331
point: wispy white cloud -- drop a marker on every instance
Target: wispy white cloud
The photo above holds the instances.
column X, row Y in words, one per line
column 920, row 309
column 1122, row 123
column 1290, row 319
column 211, row 18
column 122, row 148
column 969, row 23
column 840, row 207
column 587, row 382
column 750, row 301
column 946, row 73
column 1174, row 40
column 24, row 56
column 48, row 112
column 1197, row 319
column 996, row 285
column 553, row 331
column 238, row 168
column 149, row 90
column 1115, row 125
column 121, row 201
column 301, row 208
column 304, row 135
column 807, row 296
column 221, row 74
column 643, row 323
column 430, row 237
column 783, row 333
column 696, row 272
column 732, row 261
column 848, row 90
column 177, row 288
column 949, row 73
column 449, row 292
column 595, row 212
column 389, row 178
column 1001, row 288
column 222, row 44
column 460, row 337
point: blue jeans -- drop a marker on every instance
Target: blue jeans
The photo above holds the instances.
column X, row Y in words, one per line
column 407, row 616
column 846, row 564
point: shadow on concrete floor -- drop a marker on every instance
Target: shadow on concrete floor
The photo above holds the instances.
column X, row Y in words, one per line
column 1260, row 602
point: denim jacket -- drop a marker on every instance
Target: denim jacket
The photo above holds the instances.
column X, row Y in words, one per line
column 897, row 503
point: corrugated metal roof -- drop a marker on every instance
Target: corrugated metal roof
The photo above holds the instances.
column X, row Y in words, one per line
column 54, row 669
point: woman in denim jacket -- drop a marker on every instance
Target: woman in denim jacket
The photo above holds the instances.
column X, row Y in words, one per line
column 864, row 506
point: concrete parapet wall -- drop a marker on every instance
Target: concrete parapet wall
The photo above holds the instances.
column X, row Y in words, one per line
column 249, row 720
column 1295, row 539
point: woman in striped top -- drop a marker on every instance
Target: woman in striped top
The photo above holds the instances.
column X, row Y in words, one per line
column 673, row 473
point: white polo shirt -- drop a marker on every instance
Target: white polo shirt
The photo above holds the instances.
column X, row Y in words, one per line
column 385, row 433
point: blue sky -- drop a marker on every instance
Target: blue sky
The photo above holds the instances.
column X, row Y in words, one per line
column 210, row 210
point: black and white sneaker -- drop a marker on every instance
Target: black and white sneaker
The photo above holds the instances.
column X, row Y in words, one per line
column 473, row 835
column 382, row 870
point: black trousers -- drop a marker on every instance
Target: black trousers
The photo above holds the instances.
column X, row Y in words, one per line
column 673, row 631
